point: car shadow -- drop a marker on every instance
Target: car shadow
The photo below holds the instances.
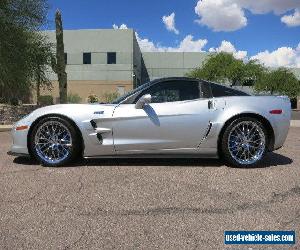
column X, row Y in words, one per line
column 271, row 160
column 24, row 160
column 152, row 162
column 132, row 162
column 274, row 159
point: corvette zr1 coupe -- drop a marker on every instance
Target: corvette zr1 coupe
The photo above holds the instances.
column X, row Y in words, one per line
column 170, row 117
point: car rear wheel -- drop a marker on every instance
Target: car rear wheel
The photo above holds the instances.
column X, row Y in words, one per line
column 54, row 142
column 244, row 143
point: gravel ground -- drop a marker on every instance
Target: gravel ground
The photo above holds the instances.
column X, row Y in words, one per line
column 146, row 203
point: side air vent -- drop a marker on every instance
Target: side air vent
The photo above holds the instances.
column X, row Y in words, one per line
column 94, row 124
column 100, row 138
column 208, row 130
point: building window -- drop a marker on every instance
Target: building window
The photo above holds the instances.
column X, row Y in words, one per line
column 66, row 58
column 86, row 58
column 111, row 57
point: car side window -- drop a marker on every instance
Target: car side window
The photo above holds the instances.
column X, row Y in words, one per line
column 205, row 90
column 220, row 91
column 173, row 91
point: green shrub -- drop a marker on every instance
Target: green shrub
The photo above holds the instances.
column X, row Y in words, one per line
column 108, row 97
column 45, row 100
column 92, row 98
column 74, row 98
column 14, row 101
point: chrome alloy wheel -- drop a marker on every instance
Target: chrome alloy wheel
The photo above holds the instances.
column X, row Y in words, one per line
column 246, row 142
column 53, row 142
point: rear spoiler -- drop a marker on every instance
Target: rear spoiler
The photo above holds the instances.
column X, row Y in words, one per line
column 284, row 97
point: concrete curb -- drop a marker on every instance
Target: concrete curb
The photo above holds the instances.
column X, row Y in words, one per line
column 6, row 128
column 295, row 123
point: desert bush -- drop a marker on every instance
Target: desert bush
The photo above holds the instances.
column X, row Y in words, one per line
column 108, row 97
column 74, row 98
column 45, row 100
column 14, row 101
column 93, row 98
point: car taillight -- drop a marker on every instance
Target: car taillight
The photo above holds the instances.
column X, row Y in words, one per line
column 276, row 111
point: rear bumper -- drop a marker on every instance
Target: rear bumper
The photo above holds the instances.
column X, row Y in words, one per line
column 281, row 126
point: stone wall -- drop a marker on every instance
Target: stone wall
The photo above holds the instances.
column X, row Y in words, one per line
column 10, row 114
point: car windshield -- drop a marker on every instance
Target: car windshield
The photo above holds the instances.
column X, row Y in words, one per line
column 123, row 97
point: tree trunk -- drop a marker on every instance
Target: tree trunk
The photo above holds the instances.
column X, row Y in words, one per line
column 63, row 88
column 60, row 59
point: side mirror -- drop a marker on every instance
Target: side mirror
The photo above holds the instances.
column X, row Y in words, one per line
column 145, row 99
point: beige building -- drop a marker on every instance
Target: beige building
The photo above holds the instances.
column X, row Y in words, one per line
column 107, row 61
column 99, row 62
column 110, row 61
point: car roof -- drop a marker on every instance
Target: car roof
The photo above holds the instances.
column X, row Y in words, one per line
column 175, row 78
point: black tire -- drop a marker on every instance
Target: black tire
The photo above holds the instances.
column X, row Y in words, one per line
column 226, row 155
column 74, row 150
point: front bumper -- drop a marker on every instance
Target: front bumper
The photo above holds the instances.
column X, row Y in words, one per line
column 11, row 153
column 19, row 146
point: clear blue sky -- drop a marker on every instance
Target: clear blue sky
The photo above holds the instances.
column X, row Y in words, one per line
column 262, row 32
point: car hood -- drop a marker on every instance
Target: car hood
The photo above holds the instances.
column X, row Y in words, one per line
column 73, row 111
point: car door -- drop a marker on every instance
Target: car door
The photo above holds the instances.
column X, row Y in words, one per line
column 176, row 119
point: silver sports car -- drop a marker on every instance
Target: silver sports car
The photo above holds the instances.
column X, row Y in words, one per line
column 170, row 117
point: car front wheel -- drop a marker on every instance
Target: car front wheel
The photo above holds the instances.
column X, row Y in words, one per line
column 244, row 142
column 54, row 142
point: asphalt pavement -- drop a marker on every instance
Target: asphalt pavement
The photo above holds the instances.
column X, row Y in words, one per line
column 146, row 203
